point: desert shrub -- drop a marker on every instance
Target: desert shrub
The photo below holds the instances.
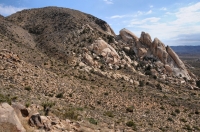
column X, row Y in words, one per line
column 196, row 127
column 131, row 124
column 106, row 93
column 183, row 120
column 159, row 86
column 155, row 77
column 141, row 83
column 187, row 127
column 148, row 72
column 60, row 95
column 99, row 102
column 71, row 114
column 129, row 109
column 141, row 64
column 27, row 104
column 14, row 98
column 162, row 108
column 48, row 104
column 196, row 112
column 198, row 83
column 70, row 95
column 177, row 111
column 148, row 68
column 28, row 88
column 5, row 99
column 109, row 113
column 92, row 121
column 170, row 119
column 80, row 108
column 173, row 113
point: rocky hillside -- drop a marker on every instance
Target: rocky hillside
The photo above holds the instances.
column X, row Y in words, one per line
column 59, row 32
column 73, row 73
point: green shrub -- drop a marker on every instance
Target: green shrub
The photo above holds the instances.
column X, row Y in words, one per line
column 183, row 120
column 48, row 104
column 198, row 83
column 148, row 68
column 148, row 72
column 70, row 95
column 170, row 119
column 173, row 113
column 27, row 104
column 109, row 113
column 60, row 95
column 106, row 93
column 131, row 124
column 130, row 109
column 159, row 86
column 155, row 77
column 80, row 108
column 196, row 112
column 162, row 108
column 196, row 127
column 14, row 98
column 28, row 88
column 92, row 121
column 177, row 111
column 187, row 127
column 5, row 99
column 141, row 83
column 71, row 114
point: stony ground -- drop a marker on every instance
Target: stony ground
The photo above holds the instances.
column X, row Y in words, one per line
column 100, row 102
column 40, row 68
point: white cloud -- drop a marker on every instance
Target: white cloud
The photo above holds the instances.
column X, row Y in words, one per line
column 108, row 1
column 138, row 13
column 151, row 6
column 8, row 10
column 163, row 8
column 188, row 15
column 149, row 12
column 146, row 20
column 118, row 16
column 185, row 20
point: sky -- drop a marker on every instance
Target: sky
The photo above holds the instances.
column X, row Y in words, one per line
column 174, row 22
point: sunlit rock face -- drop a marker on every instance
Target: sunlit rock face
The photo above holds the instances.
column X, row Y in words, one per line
column 144, row 46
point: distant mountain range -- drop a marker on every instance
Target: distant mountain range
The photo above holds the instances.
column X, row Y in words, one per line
column 186, row 49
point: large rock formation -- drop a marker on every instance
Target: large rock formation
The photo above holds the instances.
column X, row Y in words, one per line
column 130, row 38
column 101, row 48
column 144, row 46
column 8, row 119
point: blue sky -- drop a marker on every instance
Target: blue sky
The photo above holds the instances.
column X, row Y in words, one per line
column 174, row 22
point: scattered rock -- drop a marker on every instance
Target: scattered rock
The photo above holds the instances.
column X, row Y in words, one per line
column 35, row 121
column 9, row 120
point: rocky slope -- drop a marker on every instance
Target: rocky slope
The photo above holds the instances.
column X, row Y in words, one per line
column 73, row 67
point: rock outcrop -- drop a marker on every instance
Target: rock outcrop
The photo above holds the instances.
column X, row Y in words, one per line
column 130, row 38
column 144, row 47
column 145, row 38
column 9, row 120
column 101, row 48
